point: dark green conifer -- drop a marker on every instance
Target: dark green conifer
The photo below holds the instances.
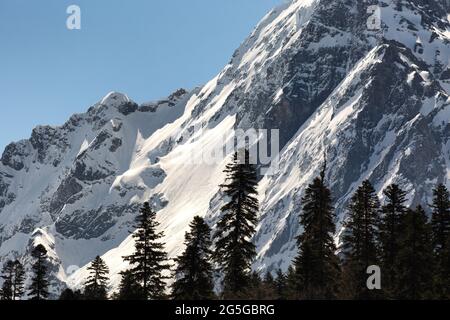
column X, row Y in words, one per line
column 96, row 286
column 194, row 271
column 149, row 260
column 415, row 257
column 317, row 266
column 360, row 241
column 389, row 232
column 18, row 283
column 440, row 218
column 6, row 292
column 38, row 289
column 441, row 234
column 292, row 284
column 234, row 251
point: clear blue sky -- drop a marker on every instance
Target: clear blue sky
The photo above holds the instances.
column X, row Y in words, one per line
column 144, row 48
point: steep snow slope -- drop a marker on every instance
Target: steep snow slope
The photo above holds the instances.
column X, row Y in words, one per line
column 376, row 101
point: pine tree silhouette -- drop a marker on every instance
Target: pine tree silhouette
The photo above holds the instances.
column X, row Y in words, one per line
column 234, row 251
column 441, row 217
column 292, row 284
column 415, row 257
column 8, row 279
column 360, row 241
column 13, row 275
column 317, row 266
column 96, row 286
column 441, row 234
column 149, row 259
column 392, row 214
column 194, row 271
column 18, row 283
column 38, row 289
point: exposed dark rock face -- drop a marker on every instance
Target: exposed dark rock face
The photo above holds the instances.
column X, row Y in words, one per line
column 170, row 102
column 100, row 140
column 65, row 194
column 14, row 155
column 83, row 173
column 116, row 143
column 128, row 108
column 43, row 139
column 93, row 223
column 5, row 197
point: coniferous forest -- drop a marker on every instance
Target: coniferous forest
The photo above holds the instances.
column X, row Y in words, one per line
column 386, row 251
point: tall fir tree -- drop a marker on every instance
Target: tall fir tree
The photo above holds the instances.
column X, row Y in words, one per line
column 292, row 289
column 149, row 260
column 360, row 246
column 415, row 257
column 8, row 279
column 38, row 289
column 440, row 217
column 389, row 231
column 317, row 266
column 13, row 275
column 194, row 271
column 234, row 250
column 441, row 234
column 96, row 286
column 18, row 283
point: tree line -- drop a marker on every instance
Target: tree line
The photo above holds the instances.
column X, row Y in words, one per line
column 13, row 275
column 411, row 251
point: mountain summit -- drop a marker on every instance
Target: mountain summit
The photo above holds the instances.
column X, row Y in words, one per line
column 365, row 82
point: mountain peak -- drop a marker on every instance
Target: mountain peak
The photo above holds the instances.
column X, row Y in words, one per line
column 115, row 99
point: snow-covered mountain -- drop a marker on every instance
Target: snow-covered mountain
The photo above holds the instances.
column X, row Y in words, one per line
column 375, row 100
